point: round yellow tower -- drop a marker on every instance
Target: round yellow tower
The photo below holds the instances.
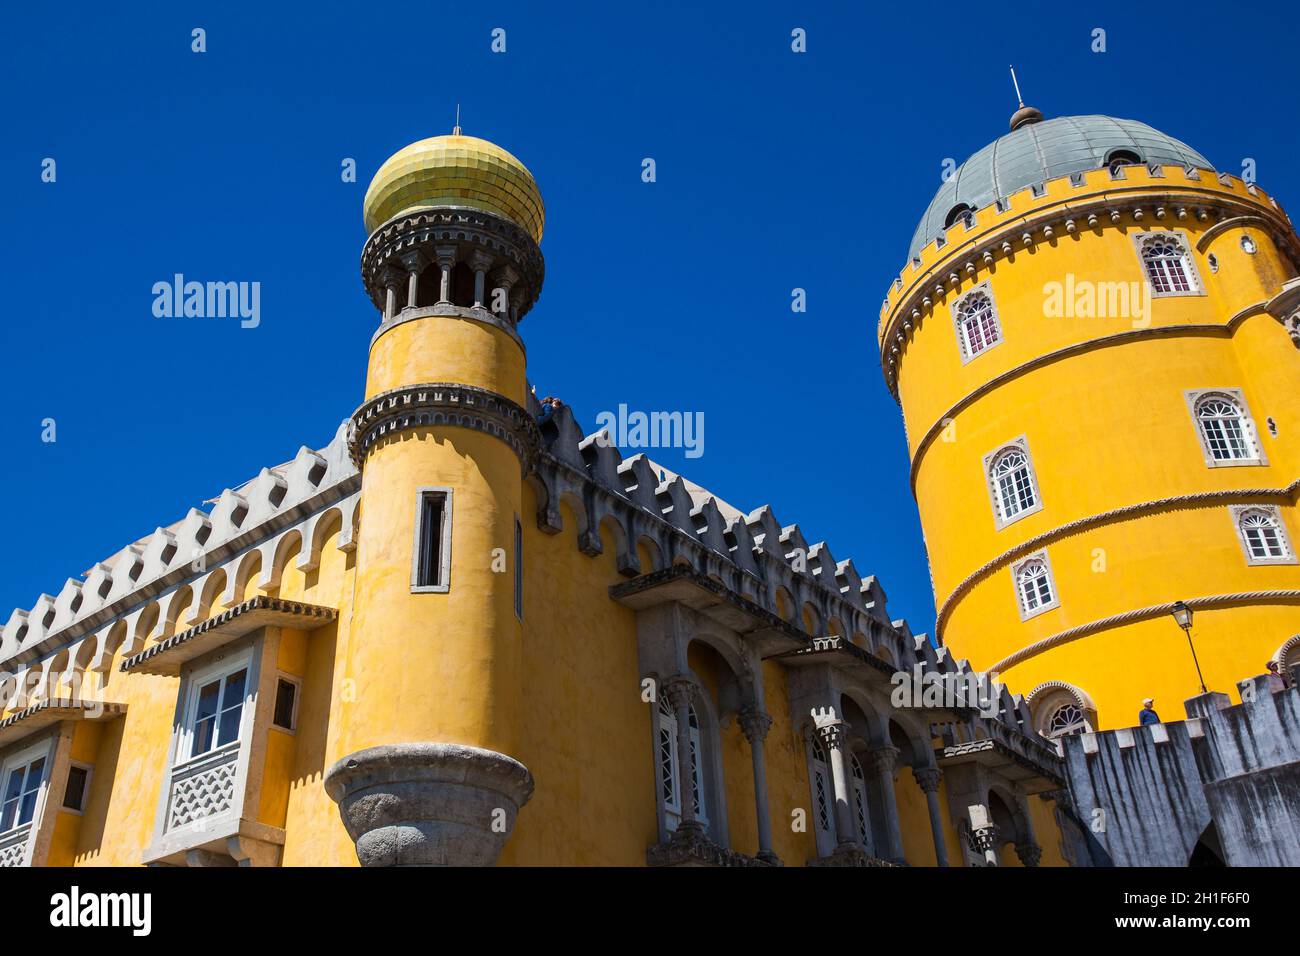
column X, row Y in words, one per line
column 442, row 440
column 1094, row 345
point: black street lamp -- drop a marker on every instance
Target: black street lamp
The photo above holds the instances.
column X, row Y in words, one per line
column 1183, row 615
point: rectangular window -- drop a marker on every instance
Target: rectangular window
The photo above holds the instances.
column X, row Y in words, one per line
column 432, row 565
column 519, row 570
column 74, row 795
column 22, row 789
column 286, row 705
column 217, row 712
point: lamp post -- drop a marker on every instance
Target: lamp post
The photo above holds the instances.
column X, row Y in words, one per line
column 1183, row 615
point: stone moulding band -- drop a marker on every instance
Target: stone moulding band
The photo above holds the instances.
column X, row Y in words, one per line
column 1108, row 341
column 1142, row 614
column 989, row 241
column 435, row 403
column 1200, row 500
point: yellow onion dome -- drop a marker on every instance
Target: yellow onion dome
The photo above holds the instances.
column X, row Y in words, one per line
column 460, row 171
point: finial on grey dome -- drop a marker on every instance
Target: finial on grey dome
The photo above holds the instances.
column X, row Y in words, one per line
column 1026, row 114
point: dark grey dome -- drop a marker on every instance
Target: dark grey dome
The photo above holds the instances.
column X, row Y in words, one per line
column 1037, row 152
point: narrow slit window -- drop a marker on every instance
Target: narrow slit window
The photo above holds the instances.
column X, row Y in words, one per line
column 432, row 541
column 519, row 570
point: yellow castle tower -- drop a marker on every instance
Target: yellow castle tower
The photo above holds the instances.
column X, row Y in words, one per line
column 1094, row 345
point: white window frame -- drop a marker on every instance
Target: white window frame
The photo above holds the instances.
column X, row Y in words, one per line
column 1240, row 512
column 297, row 701
column 823, row 797
column 444, row 551
column 24, row 759
column 1179, row 239
column 85, row 795
column 673, row 807
column 861, row 806
column 1016, row 568
column 1250, row 433
column 959, row 326
column 1000, row 517
column 213, row 672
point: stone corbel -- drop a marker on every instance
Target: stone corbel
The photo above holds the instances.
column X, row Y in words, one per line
column 429, row 804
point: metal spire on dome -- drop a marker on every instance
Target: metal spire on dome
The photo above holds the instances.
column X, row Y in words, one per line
column 1026, row 114
column 455, row 130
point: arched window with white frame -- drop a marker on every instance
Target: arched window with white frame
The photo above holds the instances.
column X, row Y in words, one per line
column 1035, row 589
column 1012, row 483
column 1167, row 264
column 823, row 794
column 1263, row 535
column 670, row 773
column 861, row 810
column 976, row 318
column 1061, row 710
column 1225, row 429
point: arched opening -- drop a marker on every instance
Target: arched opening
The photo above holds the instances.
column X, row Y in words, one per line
column 961, row 212
column 462, row 285
column 1121, row 157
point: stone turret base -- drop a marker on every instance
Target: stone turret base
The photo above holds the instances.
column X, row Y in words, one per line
column 428, row 804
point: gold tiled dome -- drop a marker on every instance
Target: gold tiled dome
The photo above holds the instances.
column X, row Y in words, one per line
column 455, row 171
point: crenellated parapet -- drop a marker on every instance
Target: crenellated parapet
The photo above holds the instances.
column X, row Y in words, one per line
column 172, row 579
column 1071, row 206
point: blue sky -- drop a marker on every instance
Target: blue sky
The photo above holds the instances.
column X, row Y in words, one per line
column 775, row 171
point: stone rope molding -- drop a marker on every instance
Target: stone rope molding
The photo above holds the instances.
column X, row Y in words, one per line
column 1137, row 614
column 1069, row 216
column 1196, row 500
column 1105, row 341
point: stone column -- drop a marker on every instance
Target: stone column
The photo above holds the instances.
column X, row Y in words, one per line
column 414, row 263
column 480, row 262
column 832, row 735
column 883, row 761
column 679, row 690
column 755, row 725
column 446, row 256
column 428, row 804
column 927, row 778
column 504, row 279
column 389, row 279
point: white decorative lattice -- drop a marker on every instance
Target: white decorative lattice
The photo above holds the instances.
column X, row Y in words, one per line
column 13, row 849
column 204, row 794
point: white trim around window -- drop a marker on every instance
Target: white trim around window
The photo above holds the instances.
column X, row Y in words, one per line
column 206, row 730
column 431, row 552
column 976, row 322
column 1225, row 428
column 1012, row 483
column 1034, row 585
column 1167, row 264
column 1262, row 534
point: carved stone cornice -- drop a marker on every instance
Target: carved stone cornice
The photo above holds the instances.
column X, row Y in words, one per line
column 432, row 404
column 431, row 234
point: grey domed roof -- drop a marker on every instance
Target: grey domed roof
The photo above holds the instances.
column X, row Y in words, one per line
column 1037, row 152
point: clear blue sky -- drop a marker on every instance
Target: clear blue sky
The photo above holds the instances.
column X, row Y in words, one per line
column 775, row 171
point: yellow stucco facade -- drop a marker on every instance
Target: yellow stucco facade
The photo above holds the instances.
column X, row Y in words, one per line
column 1093, row 397
column 465, row 632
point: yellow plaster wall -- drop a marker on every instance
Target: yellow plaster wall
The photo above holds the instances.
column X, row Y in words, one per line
column 461, row 351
